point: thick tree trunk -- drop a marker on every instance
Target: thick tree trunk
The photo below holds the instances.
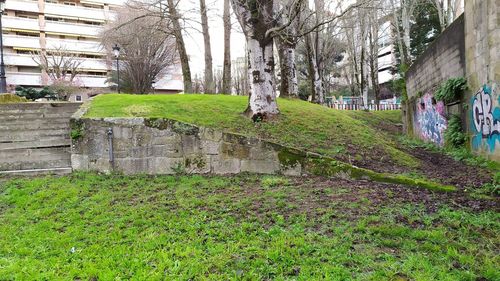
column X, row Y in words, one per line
column 262, row 101
column 181, row 47
column 289, row 84
column 209, row 74
column 255, row 18
column 226, row 71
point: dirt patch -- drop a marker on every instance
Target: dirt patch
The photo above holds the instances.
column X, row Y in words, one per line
column 449, row 171
column 345, row 200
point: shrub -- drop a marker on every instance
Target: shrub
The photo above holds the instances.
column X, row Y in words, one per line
column 454, row 136
column 10, row 98
column 34, row 94
column 451, row 90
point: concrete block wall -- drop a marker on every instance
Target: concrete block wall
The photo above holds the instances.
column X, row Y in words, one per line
column 482, row 43
column 443, row 59
column 35, row 136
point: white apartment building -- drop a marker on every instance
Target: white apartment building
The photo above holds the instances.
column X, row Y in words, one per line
column 32, row 25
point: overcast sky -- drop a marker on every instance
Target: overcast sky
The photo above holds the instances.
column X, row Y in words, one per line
column 194, row 39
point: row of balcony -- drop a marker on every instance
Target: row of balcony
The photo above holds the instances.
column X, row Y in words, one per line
column 27, row 60
column 87, row 47
column 62, row 10
column 59, row 28
column 35, row 79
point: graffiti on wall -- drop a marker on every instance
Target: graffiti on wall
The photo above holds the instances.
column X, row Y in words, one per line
column 486, row 118
column 430, row 121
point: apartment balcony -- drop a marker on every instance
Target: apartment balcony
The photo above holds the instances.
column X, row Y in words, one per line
column 25, row 42
column 20, row 5
column 27, row 60
column 20, row 24
column 35, row 79
column 78, row 12
column 92, row 81
column 27, row 79
column 74, row 45
column 65, row 28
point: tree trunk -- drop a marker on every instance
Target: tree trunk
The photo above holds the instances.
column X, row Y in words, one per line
column 262, row 103
column 289, row 83
column 181, row 47
column 405, row 22
column 226, row 72
column 209, row 74
column 399, row 39
column 317, row 95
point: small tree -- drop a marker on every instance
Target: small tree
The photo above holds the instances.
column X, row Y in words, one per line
column 147, row 50
column 62, row 67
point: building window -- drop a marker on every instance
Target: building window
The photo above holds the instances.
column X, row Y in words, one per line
column 78, row 98
column 51, row 1
column 69, row 3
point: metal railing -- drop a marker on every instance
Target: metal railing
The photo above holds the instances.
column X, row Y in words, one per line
column 370, row 107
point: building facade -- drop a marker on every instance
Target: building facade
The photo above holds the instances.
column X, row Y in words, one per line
column 73, row 25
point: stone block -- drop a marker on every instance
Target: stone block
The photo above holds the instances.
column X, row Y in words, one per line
column 224, row 166
column 165, row 165
column 166, row 151
column 260, row 166
column 197, row 164
column 261, row 152
column 79, row 162
column 210, row 147
column 234, row 150
column 131, row 166
column 190, row 144
column 210, row 134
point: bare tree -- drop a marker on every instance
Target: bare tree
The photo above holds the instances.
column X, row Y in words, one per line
column 447, row 10
column 174, row 16
column 58, row 63
column 209, row 75
column 226, row 71
column 148, row 50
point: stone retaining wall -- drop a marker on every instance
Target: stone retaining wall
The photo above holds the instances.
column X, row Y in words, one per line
column 162, row 146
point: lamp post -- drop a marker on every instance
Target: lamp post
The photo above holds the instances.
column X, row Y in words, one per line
column 3, row 81
column 116, row 52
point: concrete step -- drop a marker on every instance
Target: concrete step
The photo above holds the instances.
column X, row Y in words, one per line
column 34, row 155
column 33, row 126
column 33, row 135
column 46, row 142
column 36, row 172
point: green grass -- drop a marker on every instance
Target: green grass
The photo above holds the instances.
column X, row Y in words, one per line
column 301, row 124
column 111, row 227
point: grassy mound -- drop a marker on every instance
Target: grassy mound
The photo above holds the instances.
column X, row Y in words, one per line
column 348, row 136
column 10, row 98
column 112, row 227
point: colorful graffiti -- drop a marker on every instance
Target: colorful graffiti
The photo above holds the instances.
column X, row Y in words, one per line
column 430, row 121
column 486, row 118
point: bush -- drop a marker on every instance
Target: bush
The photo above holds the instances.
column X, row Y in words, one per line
column 63, row 89
column 34, row 94
column 10, row 98
column 454, row 136
column 451, row 90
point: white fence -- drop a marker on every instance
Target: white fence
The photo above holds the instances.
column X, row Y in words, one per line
column 371, row 107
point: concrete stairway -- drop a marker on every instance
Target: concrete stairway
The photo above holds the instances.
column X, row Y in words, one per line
column 35, row 138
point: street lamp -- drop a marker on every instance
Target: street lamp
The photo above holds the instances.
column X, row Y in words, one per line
column 116, row 52
column 3, row 82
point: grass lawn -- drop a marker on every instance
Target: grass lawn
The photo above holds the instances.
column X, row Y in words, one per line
column 346, row 135
column 112, row 227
